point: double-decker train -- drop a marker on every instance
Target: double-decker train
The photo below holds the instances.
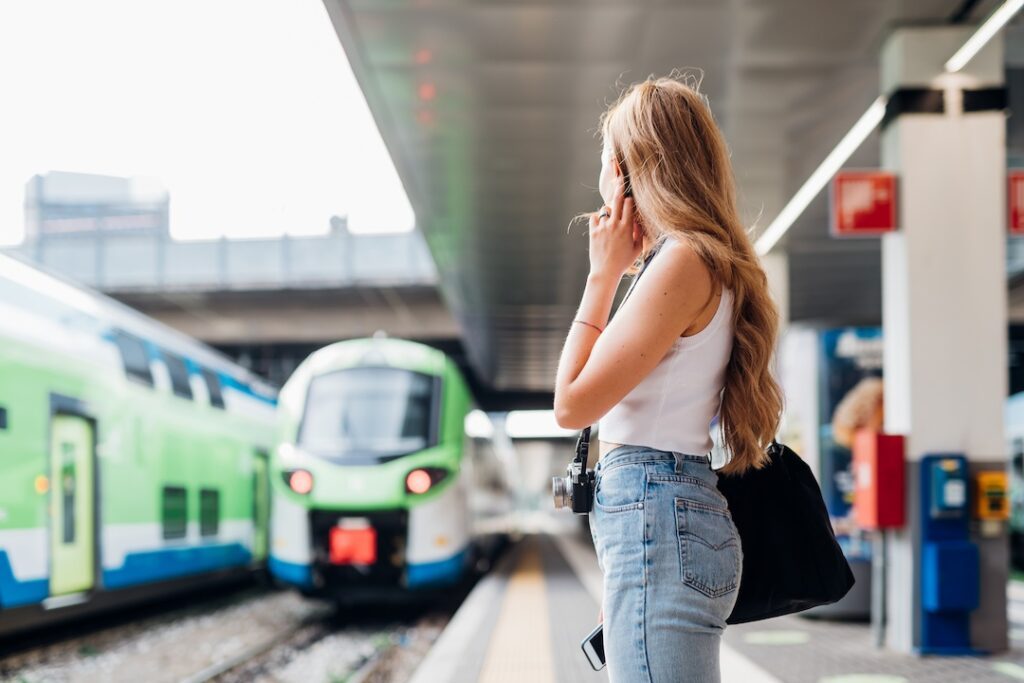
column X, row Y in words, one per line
column 133, row 459
column 377, row 490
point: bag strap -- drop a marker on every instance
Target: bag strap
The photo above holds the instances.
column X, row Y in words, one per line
column 643, row 267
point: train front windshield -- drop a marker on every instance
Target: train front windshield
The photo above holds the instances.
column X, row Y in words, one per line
column 369, row 414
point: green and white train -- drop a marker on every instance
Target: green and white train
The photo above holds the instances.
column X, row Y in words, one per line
column 377, row 489
column 133, row 459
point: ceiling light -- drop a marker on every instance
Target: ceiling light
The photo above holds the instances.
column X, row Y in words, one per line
column 821, row 175
column 984, row 34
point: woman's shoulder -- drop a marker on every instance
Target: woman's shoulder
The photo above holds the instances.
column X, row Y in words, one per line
column 681, row 261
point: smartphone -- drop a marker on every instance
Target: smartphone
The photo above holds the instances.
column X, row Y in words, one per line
column 593, row 647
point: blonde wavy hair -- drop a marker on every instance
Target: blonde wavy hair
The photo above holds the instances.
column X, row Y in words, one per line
column 666, row 140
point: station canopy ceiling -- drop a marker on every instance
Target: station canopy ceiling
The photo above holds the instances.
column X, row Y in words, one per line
column 490, row 112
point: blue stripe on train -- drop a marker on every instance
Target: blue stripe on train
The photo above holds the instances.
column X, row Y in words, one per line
column 138, row 568
column 227, row 381
column 300, row 575
column 13, row 592
column 171, row 563
column 442, row 572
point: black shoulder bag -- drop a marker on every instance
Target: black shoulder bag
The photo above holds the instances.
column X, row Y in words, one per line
column 791, row 559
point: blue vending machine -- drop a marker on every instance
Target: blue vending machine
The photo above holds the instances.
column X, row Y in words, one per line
column 949, row 560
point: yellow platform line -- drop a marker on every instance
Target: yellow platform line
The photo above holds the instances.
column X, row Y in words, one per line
column 520, row 647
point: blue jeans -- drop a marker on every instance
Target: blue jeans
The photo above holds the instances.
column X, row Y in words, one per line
column 671, row 559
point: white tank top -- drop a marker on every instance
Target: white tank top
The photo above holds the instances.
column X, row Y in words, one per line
column 672, row 407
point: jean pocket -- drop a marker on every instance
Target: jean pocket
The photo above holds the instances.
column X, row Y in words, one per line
column 620, row 488
column 709, row 548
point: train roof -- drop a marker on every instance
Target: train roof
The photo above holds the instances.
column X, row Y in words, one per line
column 376, row 350
column 89, row 302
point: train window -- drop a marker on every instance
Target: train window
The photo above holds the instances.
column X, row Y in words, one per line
column 209, row 512
column 134, row 356
column 213, row 388
column 179, row 375
column 369, row 413
column 68, row 490
column 3, row 418
column 175, row 512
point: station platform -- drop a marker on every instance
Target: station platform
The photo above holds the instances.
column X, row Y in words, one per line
column 524, row 622
column 803, row 650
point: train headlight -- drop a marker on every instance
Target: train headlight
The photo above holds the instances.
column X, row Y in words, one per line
column 422, row 479
column 299, row 481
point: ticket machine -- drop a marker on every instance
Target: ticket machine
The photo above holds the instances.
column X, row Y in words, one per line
column 949, row 560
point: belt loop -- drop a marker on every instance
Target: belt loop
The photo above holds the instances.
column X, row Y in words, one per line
column 679, row 462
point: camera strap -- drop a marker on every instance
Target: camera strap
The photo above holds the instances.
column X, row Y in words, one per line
column 583, row 447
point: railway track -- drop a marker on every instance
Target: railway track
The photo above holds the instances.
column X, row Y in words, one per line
column 376, row 653
column 253, row 636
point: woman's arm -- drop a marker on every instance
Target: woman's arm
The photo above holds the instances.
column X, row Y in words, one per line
column 596, row 370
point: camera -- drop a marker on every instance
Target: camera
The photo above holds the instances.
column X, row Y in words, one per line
column 576, row 489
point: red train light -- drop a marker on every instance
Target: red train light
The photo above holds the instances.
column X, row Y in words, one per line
column 423, row 479
column 418, row 481
column 301, row 482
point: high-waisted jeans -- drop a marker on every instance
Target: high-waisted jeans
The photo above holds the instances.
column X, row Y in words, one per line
column 671, row 559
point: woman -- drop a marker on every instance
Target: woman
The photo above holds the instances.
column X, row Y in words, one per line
column 694, row 339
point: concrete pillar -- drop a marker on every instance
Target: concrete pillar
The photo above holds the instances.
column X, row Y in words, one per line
column 944, row 291
column 776, row 267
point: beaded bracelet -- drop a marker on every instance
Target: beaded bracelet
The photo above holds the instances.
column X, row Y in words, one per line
column 584, row 322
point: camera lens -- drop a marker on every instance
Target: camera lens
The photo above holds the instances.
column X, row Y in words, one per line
column 561, row 489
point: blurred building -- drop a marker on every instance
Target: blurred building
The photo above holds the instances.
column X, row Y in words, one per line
column 60, row 203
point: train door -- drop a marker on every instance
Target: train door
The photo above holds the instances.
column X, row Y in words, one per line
column 260, row 506
column 72, row 505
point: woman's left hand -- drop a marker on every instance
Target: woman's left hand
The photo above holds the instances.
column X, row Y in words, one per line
column 615, row 238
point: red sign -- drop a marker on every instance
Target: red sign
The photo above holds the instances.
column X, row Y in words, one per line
column 353, row 545
column 1015, row 193
column 863, row 203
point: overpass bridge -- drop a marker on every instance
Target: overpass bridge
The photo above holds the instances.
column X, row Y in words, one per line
column 271, row 302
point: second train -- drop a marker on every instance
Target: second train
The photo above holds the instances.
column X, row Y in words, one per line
column 377, row 489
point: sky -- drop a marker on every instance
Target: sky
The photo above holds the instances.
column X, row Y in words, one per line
column 245, row 110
